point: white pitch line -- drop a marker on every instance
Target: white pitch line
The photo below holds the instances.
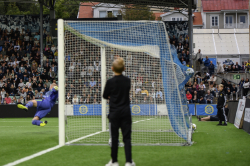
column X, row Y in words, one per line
column 25, row 126
column 55, row 147
column 47, row 150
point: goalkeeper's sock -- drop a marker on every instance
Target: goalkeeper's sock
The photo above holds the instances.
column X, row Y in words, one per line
column 36, row 122
column 29, row 104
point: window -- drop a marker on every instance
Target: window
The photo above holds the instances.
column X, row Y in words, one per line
column 229, row 20
column 243, row 19
column 102, row 14
column 115, row 13
column 214, row 21
column 110, row 14
column 177, row 19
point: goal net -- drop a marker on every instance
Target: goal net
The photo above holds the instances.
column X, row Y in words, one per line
column 158, row 102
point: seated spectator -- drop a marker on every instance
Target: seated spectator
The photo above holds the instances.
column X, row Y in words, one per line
column 145, row 101
column 209, row 97
column 30, row 93
column 201, row 92
column 159, row 99
column 14, row 100
column 206, row 78
column 12, row 90
column 49, row 40
column 159, row 93
column 234, row 90
column 36, row 94
column 46, row 88
column 40, row 95
column 137, row 90
column 95, row 101
column 234, row 69
column 229, row 69
column 189, row 86
column 189, row 97
column 237, row 67
column 51, row 74
column 37, row 36
column 53, row 49
column 212, row 80
column 7, row 99
column 228, row 93
column 54, row 68
column 1, row 99
column 202, row 85
column 22, row 100
column 29, row 83
column 75, row 100
column 47, row 83
column 28, row 98
column 144, row 92
column 202, row 100
column 195, row 97
column 92, row 83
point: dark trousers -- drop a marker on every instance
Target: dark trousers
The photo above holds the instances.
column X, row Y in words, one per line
column 245, row 91
column 221, row 114
column 119, row 120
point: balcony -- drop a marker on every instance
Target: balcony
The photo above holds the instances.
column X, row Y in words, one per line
column 239, row 25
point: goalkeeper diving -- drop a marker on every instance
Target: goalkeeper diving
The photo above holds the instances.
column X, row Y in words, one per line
column 43, row 107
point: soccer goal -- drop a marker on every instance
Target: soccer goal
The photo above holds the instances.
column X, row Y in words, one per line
column 158, row 102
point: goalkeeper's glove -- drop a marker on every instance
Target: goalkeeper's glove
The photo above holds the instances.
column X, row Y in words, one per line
column 56, row 88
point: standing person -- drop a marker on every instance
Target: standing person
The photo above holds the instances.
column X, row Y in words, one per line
column 206, row 65
column 197, row 61
column 117, row 91
column 246, row 87
column 221, row 106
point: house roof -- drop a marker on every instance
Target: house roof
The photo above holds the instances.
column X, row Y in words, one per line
column 157, row 15
column 197, row 19
column 218, row 5
column 86, row 11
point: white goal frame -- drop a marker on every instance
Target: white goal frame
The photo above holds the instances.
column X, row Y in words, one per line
column 61, row 90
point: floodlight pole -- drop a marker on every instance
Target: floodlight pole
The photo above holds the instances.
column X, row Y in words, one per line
column 190, row 31
column 41, row 33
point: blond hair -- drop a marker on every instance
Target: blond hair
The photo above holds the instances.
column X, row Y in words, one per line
column 221, row 85
column 118, row 65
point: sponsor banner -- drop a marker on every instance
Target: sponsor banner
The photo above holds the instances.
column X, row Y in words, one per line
column 247, row 115
column 206, row 109
column 96, row 109
column 191, row 108
column 238, row 118
column 228, row 61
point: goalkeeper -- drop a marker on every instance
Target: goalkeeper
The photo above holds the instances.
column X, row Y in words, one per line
column 117, row 91
column 43, row 107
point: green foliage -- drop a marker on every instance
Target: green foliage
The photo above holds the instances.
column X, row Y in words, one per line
column 62, row 8
column 135, row 12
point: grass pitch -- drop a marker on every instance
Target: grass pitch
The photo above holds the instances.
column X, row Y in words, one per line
column 213, row 145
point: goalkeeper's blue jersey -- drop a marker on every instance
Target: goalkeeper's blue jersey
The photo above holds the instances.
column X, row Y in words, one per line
column 51, row 96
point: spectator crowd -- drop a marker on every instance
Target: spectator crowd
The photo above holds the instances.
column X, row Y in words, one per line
column 23, row 74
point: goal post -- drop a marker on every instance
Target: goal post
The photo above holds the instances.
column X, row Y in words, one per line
column 61, row 82
column 158, row 103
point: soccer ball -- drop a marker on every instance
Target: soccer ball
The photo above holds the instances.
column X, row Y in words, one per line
column 194, row 127
column 190, row 72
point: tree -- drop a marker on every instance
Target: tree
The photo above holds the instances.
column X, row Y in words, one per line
column 65, row 11
column 136, row 12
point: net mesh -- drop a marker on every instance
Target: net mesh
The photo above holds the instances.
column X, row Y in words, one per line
column 158, row 104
